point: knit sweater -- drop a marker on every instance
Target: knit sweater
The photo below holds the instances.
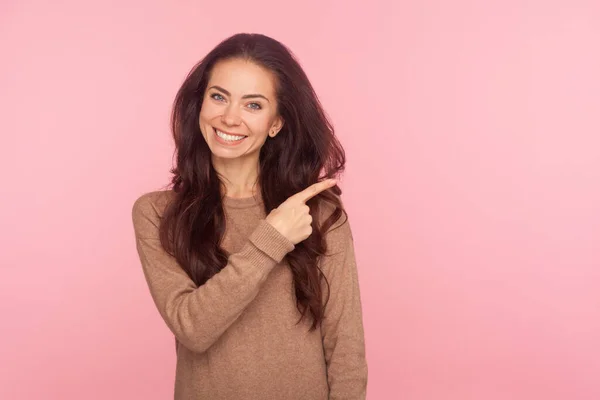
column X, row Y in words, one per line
column 237, row 335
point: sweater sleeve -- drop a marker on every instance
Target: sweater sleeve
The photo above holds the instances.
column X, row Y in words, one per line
column 198, row 316
column 342, row 326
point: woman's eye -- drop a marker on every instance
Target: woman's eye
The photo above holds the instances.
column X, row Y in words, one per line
column 218, row 97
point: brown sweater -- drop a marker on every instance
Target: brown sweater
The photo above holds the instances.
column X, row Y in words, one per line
column 236, row 335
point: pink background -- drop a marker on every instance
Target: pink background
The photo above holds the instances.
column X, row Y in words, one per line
column 473, row 184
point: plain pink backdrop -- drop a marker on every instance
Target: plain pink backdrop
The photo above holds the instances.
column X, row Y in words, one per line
column 473, row 184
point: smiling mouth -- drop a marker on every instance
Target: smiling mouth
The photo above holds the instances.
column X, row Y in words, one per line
column 229, row 138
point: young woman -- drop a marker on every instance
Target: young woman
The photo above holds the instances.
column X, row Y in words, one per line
column 249, row 257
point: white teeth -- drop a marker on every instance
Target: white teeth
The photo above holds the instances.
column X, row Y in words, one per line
column 228, row 137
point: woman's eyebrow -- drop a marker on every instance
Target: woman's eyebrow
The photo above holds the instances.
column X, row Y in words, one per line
column 246, row 96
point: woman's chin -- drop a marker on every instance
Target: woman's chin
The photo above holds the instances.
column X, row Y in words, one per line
column 229, row 152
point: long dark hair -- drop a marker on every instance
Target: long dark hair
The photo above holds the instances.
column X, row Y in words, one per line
column 304, row 152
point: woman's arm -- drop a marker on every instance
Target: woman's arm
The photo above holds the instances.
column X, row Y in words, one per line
column 198, row 316
column 342, row 327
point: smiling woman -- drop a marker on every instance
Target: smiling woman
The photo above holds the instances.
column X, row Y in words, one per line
column 249, row 258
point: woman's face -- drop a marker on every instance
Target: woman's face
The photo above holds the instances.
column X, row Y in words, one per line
column 239, row 109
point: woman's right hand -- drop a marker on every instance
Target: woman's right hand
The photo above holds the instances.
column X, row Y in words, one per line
column 292, row 218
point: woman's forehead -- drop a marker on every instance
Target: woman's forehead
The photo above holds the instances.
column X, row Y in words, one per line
column 241, row 77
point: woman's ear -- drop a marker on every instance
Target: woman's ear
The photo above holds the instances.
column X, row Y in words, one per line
column 277, row 125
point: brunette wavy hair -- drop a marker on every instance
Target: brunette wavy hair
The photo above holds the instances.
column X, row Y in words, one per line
column 304, row 152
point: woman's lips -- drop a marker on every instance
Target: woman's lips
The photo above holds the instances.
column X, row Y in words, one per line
column 225, row 141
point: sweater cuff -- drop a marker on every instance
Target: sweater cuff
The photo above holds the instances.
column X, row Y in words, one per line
column 270, row 241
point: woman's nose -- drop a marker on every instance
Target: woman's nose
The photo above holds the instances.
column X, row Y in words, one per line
column 230, row 116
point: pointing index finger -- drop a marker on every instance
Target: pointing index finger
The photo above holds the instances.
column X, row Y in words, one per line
column 315, row 189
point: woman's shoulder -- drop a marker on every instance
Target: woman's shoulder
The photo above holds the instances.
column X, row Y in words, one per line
column 327, row 208
column 149, row 207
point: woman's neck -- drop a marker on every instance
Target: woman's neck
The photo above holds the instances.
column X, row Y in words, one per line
column 238, row 179
column 241, row 192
